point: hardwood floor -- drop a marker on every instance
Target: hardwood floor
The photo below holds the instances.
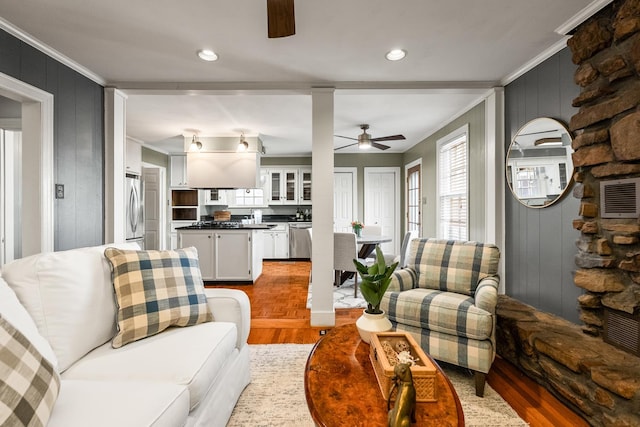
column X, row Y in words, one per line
column 279, row 315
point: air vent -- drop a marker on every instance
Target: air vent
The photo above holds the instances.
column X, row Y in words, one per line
column 619, row 198
column 622, row 330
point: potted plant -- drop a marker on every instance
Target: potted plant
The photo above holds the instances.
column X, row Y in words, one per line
column 357, row 227
column 375, row 280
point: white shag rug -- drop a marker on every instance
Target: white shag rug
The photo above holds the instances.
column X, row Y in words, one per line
column 343, row 296
column 275, row 397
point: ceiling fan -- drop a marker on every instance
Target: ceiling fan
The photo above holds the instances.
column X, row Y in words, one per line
column 365, row 141
column 280, row 18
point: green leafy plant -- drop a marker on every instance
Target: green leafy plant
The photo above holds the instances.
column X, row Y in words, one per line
column 375, row 281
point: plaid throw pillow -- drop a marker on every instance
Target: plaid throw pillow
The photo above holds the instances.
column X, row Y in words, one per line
column 29, row 386
column 155, row 290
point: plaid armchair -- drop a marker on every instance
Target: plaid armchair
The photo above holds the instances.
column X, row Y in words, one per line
column 446, row 299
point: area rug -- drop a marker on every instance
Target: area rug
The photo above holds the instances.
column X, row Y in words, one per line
column 343, row 296
column 275, row 397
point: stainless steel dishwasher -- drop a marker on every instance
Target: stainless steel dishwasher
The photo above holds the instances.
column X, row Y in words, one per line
column 299, row 240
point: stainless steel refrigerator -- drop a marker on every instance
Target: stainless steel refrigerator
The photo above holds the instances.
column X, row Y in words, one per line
column 135, row 210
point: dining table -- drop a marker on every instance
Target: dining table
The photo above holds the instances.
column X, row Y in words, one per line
column 367, row 244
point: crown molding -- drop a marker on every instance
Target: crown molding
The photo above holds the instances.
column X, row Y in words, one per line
column 48, row 50
column 568, row 26
column 540, row 58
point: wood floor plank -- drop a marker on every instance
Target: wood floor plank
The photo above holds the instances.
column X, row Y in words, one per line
column 279, row 315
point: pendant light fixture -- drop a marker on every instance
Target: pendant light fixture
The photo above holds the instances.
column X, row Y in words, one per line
column 242, row 145
column 195, row 145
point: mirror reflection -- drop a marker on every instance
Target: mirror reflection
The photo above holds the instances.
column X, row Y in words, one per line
column 539, row 166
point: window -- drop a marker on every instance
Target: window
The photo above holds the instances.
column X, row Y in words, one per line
column 453, row 186
column 413, row 197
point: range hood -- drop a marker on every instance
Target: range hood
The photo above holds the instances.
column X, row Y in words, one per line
column 223, row 170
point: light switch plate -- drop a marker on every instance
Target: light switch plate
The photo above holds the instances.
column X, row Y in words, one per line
column 59, row 191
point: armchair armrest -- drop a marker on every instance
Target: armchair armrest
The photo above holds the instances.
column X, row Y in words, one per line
column 486, row 296
column 403, row 280
column 231, row 305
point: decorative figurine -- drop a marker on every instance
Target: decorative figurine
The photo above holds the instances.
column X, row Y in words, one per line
column 403, row 413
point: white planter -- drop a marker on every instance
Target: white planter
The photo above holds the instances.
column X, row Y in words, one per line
column 368, row 323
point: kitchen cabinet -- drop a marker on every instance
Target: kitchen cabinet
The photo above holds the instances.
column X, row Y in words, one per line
column 203, row 241
column 233, row 255
column 214, row 196
column 178, row 170
column 133, row 158
column 283, row 186
column 276, row 242
column 226, row 255
column 304, row 176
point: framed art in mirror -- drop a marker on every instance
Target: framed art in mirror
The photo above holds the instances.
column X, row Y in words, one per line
column 539, row 168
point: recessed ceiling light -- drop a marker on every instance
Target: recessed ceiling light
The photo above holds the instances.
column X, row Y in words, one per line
column 207, row 55
column 396, row 54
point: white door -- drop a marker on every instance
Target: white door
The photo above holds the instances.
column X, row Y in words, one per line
column 153, row 180
column 345, row 199
column 382, row 204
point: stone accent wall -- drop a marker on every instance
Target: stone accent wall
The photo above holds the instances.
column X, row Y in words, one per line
column 606, row 49
column 599, row 382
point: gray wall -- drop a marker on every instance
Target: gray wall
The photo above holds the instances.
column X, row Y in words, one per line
column 78, row 140
column 426, row 150
column 540, row 243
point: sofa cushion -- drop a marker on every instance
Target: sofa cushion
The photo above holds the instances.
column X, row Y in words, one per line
column 445, row 312
column 29, row 386
column 155, row 290
column 69, row 295
column 453, row 266
column 190, row 356
column 120, row 403
column 15, row 313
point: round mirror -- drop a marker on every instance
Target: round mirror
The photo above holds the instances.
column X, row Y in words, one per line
column 539, row 168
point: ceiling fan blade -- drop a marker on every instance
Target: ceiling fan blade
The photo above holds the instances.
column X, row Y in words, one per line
column 379, row 146
column 389, row 138
column 280, row 18
column 345, row 146
column 347, row 137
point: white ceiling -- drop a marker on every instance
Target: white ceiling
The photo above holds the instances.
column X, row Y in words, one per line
column 457, row 50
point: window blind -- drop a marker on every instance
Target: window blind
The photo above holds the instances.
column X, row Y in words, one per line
column 453, row 189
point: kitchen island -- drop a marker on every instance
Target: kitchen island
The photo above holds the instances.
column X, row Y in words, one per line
column 227, row 252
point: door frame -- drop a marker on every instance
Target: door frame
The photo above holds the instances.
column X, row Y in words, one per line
column 417, row 162
column 37, row 164
column 396, row 171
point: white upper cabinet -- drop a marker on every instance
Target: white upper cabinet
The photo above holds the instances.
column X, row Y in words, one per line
column 304, row 176
column 133, row 158
column 178, row 165
column 283, row 186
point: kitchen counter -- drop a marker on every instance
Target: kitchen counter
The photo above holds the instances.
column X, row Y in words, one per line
column 224, row 227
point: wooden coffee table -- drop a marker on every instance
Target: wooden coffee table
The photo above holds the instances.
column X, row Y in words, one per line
column 341, row 387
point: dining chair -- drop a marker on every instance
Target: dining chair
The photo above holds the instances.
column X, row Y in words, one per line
column 403, row 256
column 372, row 230
column 345, row 250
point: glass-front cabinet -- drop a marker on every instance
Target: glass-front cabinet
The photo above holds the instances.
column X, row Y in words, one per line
column 214, row 196
column 305, row 186
column 283, row 186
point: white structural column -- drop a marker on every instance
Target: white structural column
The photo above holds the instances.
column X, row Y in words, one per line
column 495, row 176
column 322, row 311
column 115, row 103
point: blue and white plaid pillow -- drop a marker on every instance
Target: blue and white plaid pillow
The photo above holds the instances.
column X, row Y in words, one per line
column 155, row 290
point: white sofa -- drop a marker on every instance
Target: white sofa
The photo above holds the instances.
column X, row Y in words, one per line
column 63, row 302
